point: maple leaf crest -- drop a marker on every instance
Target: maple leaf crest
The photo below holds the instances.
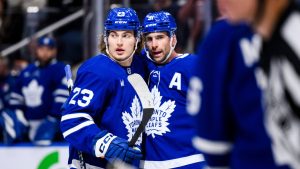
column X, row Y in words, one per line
column 33, row 94
column 133, row 120
column 158, row 124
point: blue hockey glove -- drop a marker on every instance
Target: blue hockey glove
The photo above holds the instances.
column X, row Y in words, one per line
column 112, row 147
column 46, row 131
column 119, row 148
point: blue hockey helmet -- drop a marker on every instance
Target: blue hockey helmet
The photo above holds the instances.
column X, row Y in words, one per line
column 122, row 19
column 159, row 22
column 46, row 41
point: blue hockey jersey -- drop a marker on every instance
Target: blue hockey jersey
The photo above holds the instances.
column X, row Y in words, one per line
column 102, row 99
column 6, row 85
column 40, row 91
column 226, row 99
column 280, row 62
column 168, row 133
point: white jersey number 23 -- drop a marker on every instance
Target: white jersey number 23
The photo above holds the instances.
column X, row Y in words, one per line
column 83, row 101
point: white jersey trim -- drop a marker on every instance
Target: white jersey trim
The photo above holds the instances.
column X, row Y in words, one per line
column 76, row 115
column 180, row 56
column 61, row 92
column 17, row 96
column 78, row 127
column 15, row 102
column 211, row 147
column 59, row 99
column 21, row 117
column 8, row 122
column 178, row 162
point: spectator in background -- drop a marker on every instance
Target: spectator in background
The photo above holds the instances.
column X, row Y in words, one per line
column 17, row 64
column 199, row 12
column 7, row 82
column 173, row 8
column 69, row 37
column 8, row 75
column 12, row 21
column 39, row 93
column 235, row 129
column 4, row 84
column 2, row 12
column 4, row 91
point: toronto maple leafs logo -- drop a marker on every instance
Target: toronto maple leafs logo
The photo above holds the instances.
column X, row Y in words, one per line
column 158, row 124
column 133, row 120
column 33, row 94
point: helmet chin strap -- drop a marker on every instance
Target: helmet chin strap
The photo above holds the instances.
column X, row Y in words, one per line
column 107, row 51
column 147, row 53
column 171, row 50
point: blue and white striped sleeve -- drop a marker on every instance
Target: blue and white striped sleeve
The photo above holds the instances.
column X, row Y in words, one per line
column 81, row 112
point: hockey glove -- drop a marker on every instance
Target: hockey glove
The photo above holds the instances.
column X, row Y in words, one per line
column 46, row 131
column 113, row 147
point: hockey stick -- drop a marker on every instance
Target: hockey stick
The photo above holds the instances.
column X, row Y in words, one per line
column 144, row 94
column 70, row 87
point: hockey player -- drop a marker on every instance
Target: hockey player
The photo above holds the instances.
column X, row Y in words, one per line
column 5, row 87
column 167, row 144
column 4, row 83
column 8, row 76
column 225, row 92
column 103, row 110
column 235, row 130
column 39, row 93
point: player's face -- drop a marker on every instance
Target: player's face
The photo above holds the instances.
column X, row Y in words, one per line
column 239, row 10
column 44, row 54
column 158, row 45
column 121, row 45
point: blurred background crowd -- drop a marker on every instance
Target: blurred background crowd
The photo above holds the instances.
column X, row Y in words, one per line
column 39, row 37
column 75, row 27
column 21, row 19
